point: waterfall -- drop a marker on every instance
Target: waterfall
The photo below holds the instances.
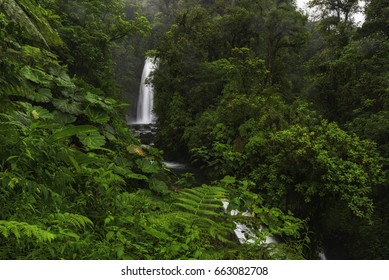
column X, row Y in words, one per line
column 144, row 114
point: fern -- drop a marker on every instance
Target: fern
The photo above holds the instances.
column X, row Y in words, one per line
column 202, row 207
column 62, row 180
column 23, row 229
column 209, row 227
column 74, row 220
column 204, row 200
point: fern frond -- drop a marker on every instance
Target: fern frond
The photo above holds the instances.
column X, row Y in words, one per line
column 209, row 227
column 75, row 220
column 202, row 207
column 62, row 180
column 21, row 229
column 203, row 200
column 155, row 232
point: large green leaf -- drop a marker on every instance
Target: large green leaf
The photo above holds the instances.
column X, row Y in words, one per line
column 96, row 115
column 35, row 75
column 136, row 176
column 36, row 112
column 70, row 131
column 68, row 106
column 42, row 95
column 92, row 139
column 158, row 186
column 93, row 98
column 61, row 77
column 148, row 166
column 64, row 81
column 63, row 118
column 106, row 104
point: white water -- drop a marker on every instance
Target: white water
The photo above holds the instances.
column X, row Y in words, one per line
column 175, row 165
column 242, row 232
column 144, row 114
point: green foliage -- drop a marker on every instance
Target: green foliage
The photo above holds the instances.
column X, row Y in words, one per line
column 23, row 230
column 220, row 159
column 223, row 58
column 64, row 158
column 32, row 20
column 70, row 131
column 377, row 14
column 75, row 220
column 348, row 84
column 231, row 88
column 190, row 225
column 320, row 162
column 89, row 30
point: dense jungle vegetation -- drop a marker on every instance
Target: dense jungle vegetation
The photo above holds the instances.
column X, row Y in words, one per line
column 287, row 115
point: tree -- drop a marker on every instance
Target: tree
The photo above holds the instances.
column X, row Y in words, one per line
column 318, row 164
column 377, row 14
column 336, row 23
column 89, row 28
column 210, row 57
column 339, row 10
column 285, row 35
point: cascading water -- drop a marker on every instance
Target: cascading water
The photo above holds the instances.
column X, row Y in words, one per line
column 143, row 125
column 144, row 114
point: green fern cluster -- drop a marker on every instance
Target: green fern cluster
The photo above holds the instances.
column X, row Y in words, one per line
column 192, row 224
column 202, row 200
column 23, row 230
